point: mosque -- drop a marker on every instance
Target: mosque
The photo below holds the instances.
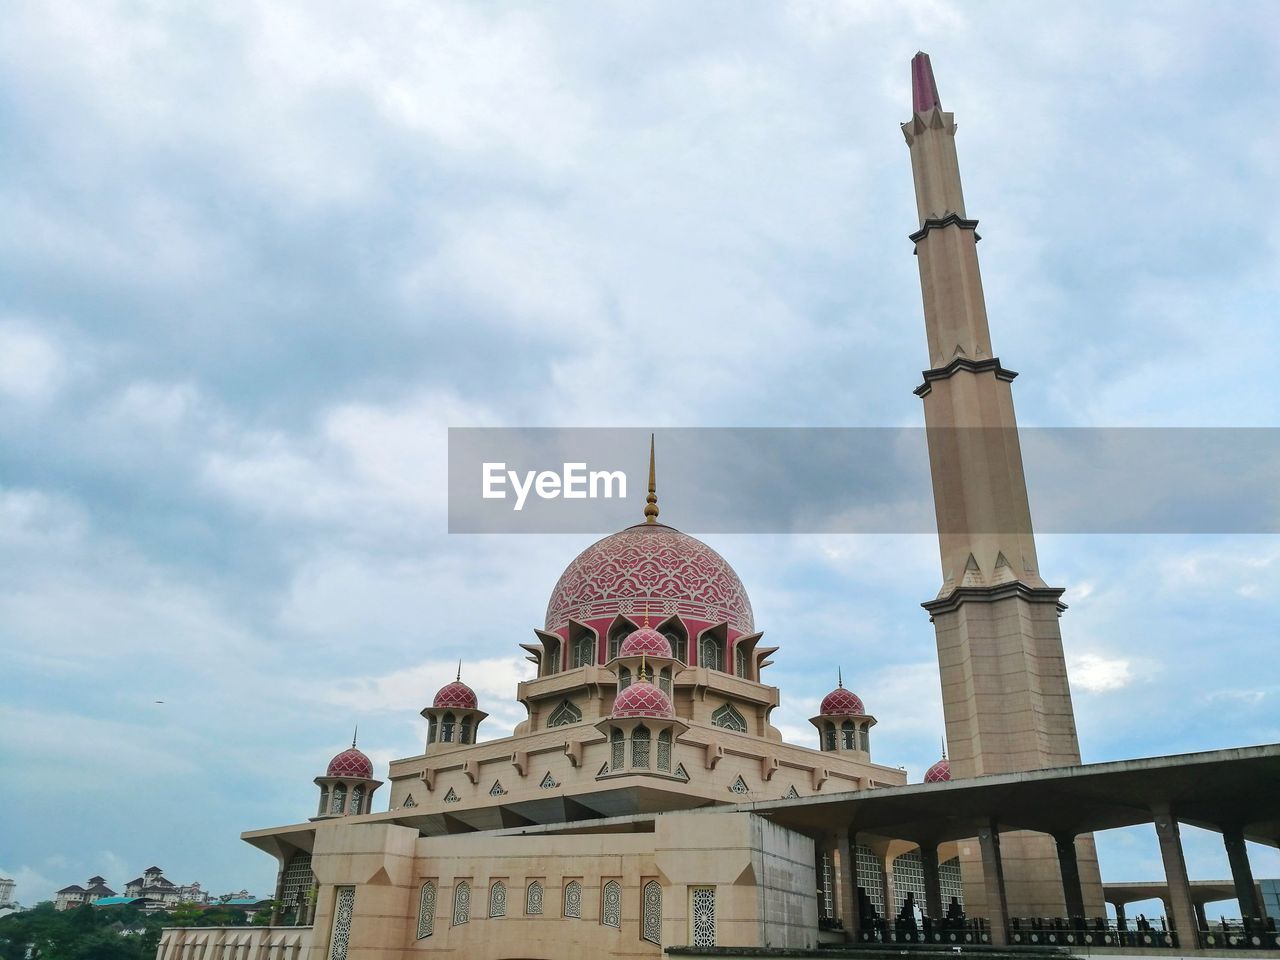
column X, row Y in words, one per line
column 648, row 807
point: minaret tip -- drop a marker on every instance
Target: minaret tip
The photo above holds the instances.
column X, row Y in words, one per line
column 651, row 502
column 924, row 89
column 839, row 678
column 458, row 677
column 355, row 733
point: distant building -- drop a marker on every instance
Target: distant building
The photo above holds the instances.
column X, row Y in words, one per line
column 75, row 895
column 6, row 891
column 154, row 886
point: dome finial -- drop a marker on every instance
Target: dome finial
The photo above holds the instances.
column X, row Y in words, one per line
column 642, row 662
column 458, row 677
column 355, row 733
column 651, row 502
column 944, row 746
column 839, row 678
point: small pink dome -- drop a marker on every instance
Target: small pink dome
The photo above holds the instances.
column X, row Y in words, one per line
column 642, row 699
column 841, row 702
column 939, row 772
column 351, row 763
column 646, row 641
column 456, row 695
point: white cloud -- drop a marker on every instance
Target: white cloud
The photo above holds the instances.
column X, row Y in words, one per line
column 31, row 365
column 1098, row 674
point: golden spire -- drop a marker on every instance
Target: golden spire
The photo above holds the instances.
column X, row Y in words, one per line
column 651, row 502
column 642, row 676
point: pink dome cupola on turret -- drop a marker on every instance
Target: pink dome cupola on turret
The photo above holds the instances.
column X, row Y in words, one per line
column 940, row 772
column 347, row 787
column 454, row 717
column 642, row 699
column 843, row 722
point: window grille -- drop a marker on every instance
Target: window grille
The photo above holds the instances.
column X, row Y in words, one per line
column 409, row 801
column 533, row 899
column 830, row 736
column 498, row 899
column 611, row 904
column 702, row 916
column 339, row 798
column 864, row 736
column 573, row 899
column 710, row 653
column 451, row 797
column 563, row 715
column 908, row 877
column 870, row 876
column 548, row 782
column 949, row 881
column 617, row 748
column 740, row 661
column 791, row 794
column 584, row 652
column 357, row 798
column 427, row 910
column 847, row 735
column 324, row 801
column 664, row 751
column 640, row 747
column 497, row 789
column 342, row 923
column 651, row 928
column 729, row 718
column 461, row 903
column 739, row 786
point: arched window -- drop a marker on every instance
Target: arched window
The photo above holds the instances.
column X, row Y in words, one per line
column 563, row 715
column 446, row 727
column 640, row 747
column 729, row 718
column 611, row 904
column 551, row 658
column 533, row 899
column 357, row 798
column 339, row 802
column 431, row 729
column 584, row 651
column 498, row 899
column 617, row 746
column 427, row 910
column 710, row 653
column 702, row 916
column 664, row 680
column 324, row 801
column 864, row 737
column 624, row 678
column 651, row 926
column 573, row 899
column 664, row 750
column 847, row 733
column 461, row 903
column 739, row 661
column 617, row 633
column 676, row 635
column 829, row 736
column 464, row 732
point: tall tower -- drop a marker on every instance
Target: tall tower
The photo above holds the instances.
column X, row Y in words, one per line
column 1005, row 696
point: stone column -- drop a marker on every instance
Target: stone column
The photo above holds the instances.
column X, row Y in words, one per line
column 993, row 883
column 932, row 882
column 1120, row 918
column 1181, row 914
column 1072, row 892
column 1201, row 917
column 1241, row 872
column 848, row 885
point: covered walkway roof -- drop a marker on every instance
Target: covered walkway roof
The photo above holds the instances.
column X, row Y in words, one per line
column 1236, row 788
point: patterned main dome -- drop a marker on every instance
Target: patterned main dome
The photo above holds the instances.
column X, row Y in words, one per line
column 841, row 702
column 939, row 772
column 351, row 763
column 649, row 562
column 642, row 699
column 456, row 695
column 647, row 642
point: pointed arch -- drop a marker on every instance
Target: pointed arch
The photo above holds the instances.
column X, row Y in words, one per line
column 711, row 647
column 533, row 899
column 611, row 905
column 664, row 751
column 864, row 737
column 677, row 635
column 651, row 925
column 464, row 729
column 324, row 801
column 432, row 729
column 728, row 717
column 582, row 645
column 848, row 735
column 624, row 678
column 664, row 680
column 829, row 736
column 619, row 630
column 617, row 747
column 357, row 799
column 447, row 723
column 427, row 910
column 338, row 802
column 497, row 899
column 739, row 662
column 573, row 900
column 564, row 714
column 461, row 903
column 640, row 747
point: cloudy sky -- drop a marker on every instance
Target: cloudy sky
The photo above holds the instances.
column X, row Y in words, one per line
column 257, row 258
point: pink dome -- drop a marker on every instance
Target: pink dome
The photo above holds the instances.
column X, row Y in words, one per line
column 939, row 772
column 841, row 702
column 642, row 699
column 647, row 642
column 351, row 763
column 456, row 695
column 649, row 562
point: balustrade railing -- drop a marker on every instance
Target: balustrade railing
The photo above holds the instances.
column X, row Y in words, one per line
column 1251, row 933
column 233, row 943
column 971, row 930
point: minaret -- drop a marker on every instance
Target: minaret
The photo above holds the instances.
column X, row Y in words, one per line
column 1006, row 700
